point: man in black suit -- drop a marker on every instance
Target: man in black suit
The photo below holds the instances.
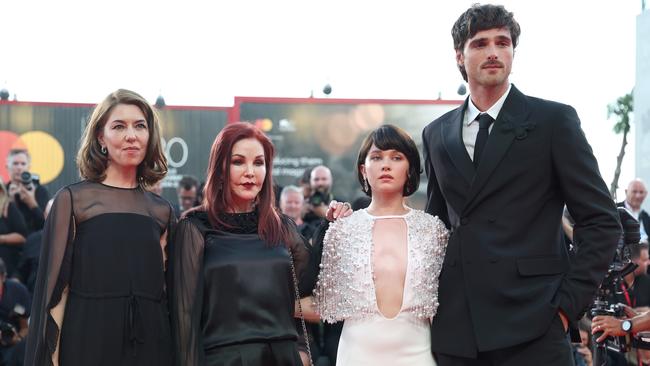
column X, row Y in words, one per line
column 501, row 167
column 635, row 194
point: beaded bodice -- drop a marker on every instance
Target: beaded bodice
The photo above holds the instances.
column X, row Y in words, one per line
column 345, row 288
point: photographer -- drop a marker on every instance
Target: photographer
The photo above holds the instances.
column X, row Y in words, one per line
column 14, row 312
column 25, row 190
column 320, row 196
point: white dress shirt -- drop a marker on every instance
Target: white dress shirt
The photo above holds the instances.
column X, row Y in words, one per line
column 470, row 124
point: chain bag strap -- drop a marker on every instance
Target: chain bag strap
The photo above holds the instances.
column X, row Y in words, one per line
column 302, row 317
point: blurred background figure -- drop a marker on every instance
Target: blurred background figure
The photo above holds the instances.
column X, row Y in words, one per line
column 14, row 311
column 320, row 188
column 12, row 232
column 187, row 191
column 635, row 194
column 25, row 190
column 292, row 205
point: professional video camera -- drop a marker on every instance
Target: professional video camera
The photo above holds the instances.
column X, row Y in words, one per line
column 620, row 267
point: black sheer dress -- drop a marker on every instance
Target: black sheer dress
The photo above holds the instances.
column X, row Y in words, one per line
column 102, row 243
column 233, row 294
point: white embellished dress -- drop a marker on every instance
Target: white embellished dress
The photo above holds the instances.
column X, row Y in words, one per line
column 346, row 291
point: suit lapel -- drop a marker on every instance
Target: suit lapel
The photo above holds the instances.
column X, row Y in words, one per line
column 512, row 114
column 453, row 142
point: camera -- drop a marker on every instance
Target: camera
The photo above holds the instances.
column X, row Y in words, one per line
column 320, row 198
column 27, row 179
column 7, row 329
column 621, row 266
column 7, row 333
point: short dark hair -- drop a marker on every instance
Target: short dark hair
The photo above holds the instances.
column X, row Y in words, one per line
column 479, row 18
column 389, row 137
column 635, row 250
column 187, row 182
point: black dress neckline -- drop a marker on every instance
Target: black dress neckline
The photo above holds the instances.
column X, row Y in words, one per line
column 239, row 223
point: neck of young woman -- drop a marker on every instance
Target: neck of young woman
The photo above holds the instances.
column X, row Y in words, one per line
column 122, row 177
column 389, row 203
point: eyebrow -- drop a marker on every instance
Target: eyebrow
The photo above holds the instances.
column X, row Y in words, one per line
column 123, row 121
column 242, row 156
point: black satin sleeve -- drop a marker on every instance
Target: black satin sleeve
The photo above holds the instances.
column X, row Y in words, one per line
column 185, row 291
column 53, row 277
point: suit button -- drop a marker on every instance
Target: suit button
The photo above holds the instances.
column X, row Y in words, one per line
column 464, row 220
column 492, row 220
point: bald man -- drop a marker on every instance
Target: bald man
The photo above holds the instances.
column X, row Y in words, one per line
column 635, row 194
column 320, row 183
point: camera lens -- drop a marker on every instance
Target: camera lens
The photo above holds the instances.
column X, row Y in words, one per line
column 26, row 178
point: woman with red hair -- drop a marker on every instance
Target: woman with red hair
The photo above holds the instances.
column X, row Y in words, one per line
column 235, row 262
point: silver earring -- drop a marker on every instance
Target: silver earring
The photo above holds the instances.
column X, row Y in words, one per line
column 365, row 185
column 104, row 151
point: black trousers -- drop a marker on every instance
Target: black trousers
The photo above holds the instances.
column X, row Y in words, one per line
column 552, row 348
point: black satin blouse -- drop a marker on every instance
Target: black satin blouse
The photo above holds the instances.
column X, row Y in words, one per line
column 241, row 286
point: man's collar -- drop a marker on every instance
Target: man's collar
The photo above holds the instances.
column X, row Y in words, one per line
column 627, row 205
column 493, row 111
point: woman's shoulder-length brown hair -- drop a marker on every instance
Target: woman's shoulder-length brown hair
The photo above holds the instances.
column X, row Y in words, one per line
column 90, row 160
column 217, row 196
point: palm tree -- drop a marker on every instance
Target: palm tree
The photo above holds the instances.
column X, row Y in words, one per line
column 622, row 109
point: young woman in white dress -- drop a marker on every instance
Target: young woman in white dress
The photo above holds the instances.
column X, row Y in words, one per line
column 380, row 265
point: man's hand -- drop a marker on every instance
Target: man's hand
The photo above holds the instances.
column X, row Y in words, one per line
column 338, row 209
column 585, row 352
column 28, row 196
column 609, row 325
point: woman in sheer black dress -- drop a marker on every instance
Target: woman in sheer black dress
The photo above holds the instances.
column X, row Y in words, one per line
column 233, row 288
column 99, row 296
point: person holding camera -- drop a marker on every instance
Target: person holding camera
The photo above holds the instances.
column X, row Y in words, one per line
column 12, row 231
column 320, row 196
column 14, row 312
column 24, row 189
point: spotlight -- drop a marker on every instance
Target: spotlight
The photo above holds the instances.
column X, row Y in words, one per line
column 327, row 89
column 462, row 89
column 160, row 102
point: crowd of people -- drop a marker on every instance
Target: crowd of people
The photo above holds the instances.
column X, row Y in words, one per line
column 241, row 271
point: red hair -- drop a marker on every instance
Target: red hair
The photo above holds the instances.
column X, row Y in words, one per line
column 218, row 195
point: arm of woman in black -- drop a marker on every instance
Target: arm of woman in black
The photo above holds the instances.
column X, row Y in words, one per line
column 185, row 267
column 50, row 292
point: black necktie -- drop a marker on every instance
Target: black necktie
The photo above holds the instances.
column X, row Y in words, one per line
column 484, row 122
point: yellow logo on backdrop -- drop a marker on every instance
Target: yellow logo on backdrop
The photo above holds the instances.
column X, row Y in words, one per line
column 46, row 153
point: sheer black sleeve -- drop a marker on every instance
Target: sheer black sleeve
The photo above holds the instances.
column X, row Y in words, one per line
column 185, row 288
column 302, row 258
column 53, row 276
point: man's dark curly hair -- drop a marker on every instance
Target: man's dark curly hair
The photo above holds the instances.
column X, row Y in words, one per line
column 479, row 18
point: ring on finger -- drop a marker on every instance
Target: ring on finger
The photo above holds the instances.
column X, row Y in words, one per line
column 346, row 204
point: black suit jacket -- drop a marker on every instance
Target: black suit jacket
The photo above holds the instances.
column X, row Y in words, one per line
column 644, row 218
column 506, row 271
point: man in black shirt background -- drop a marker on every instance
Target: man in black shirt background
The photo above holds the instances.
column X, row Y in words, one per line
column 24, row 189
